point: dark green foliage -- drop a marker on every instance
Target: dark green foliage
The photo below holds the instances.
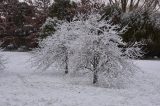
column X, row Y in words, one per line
column 15, row 14
column 141, row 27
column 48, row 28
column 17, row 23
column 59, row 10
column 62, row 9
column 138, row 24
column 46, row 31
column 22, row 10
column 112, row 12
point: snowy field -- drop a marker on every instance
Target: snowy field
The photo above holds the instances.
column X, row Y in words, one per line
column 20, row 85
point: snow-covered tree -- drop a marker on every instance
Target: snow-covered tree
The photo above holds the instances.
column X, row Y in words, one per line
column 90, row 44
column 51, row 51
column 54, row 48
column 100, row 49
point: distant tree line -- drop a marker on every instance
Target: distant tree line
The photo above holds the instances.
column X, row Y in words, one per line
column 21, row 23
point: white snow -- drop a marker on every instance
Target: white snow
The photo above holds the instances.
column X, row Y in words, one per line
column 20, row 85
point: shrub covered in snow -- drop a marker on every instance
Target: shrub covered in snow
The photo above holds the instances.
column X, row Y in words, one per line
column 89, row 44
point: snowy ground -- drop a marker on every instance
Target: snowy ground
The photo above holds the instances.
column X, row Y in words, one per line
column 21, row 86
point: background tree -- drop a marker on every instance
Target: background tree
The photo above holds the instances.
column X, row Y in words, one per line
column 42, row 6
column 18, row 22
column 59, row 10
column 62, row 9
column 87, row 7
column 48, row 28
column 67, row 10
column 130, row 5
column 138, row 16
column 142, row 27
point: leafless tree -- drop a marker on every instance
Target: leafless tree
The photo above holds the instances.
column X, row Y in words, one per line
column 129, row 5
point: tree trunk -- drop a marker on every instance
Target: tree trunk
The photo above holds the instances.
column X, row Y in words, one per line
column 137, row 4
column 131, row 5
column 124, row 5
column 95, row 71
column 66, row 68
column 66, row 64
column 95, row 77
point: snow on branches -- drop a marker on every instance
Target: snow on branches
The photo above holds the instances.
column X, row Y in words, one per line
column 89, row 44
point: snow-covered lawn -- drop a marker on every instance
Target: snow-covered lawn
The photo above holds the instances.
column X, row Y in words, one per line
column 20, row 85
